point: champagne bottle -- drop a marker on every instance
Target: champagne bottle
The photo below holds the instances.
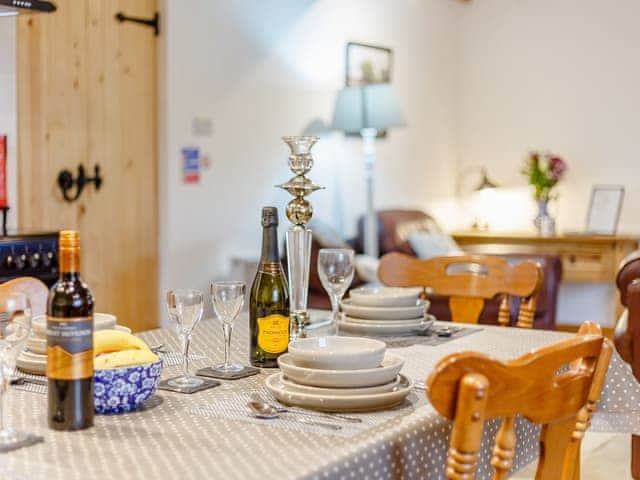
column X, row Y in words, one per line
column 269, row 302
column 70, row 342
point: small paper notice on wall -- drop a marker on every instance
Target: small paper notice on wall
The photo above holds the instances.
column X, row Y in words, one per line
column 191, row 165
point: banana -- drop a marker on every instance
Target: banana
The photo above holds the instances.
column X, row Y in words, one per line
column 107, row 341
column 124, row 358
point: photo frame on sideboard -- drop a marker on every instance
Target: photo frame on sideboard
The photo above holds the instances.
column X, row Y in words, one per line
column 604, row 209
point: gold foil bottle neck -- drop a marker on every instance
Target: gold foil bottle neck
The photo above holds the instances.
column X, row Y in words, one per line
column 69, row 239
column 69, row 247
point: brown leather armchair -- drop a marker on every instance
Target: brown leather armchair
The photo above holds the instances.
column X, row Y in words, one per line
column 627, row 335
column 394, row 228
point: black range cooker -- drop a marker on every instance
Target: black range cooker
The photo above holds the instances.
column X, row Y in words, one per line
column 27, row 253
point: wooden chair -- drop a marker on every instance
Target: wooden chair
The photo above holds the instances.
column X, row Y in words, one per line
column 35, row 289
column 468, row 280
column 470, row 388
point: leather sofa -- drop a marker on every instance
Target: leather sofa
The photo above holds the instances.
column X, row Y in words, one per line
column 627, row 334
column 394, row 228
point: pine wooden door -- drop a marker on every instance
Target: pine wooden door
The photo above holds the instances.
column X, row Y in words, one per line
column 86, row 96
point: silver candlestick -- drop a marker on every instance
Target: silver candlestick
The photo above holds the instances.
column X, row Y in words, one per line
column 299, row 212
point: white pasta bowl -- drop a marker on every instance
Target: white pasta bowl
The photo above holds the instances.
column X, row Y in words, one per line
column 337, row 353
column 385, row 296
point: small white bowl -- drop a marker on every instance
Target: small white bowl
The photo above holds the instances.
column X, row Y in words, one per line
column 337, row 353
column 385, row 296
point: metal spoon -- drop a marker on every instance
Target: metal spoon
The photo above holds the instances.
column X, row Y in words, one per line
column 266, row 411
column 158, row 348
column 23, row 380
column 333, row 416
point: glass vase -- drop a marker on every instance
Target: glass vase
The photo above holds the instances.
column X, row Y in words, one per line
column 545, row 223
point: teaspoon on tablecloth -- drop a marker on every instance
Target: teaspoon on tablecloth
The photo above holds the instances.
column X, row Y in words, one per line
column 329, row 416
column 266, row 411
column 23, row 380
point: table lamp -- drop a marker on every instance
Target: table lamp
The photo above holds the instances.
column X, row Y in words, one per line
column 483, row 188
column 367, row 110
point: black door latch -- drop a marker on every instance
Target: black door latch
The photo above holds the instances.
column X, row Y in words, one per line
column 66, row 182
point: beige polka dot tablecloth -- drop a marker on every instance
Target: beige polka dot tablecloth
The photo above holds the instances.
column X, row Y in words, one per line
column 168, row 439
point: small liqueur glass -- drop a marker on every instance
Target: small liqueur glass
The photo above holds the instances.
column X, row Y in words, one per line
column 227, row 299
column 336, row 268
column 185, row 309
column 15, row 327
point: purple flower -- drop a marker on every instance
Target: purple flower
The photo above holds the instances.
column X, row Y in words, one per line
column 558, row 167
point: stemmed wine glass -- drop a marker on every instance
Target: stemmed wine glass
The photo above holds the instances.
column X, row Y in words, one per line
column 335, row 267
column 227, row 299
column 185, row 308
column 15, row 326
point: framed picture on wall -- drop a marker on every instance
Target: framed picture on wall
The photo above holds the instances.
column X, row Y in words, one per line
column 367, row 64
column 604, row 209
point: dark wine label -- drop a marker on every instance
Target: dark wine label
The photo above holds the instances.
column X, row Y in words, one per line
column 69, row 348
column 273, row 333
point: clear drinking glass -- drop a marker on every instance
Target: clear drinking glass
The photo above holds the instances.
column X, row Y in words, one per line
column 185, row 308
column 335, row 267
column 15, row 326
column 227, row 298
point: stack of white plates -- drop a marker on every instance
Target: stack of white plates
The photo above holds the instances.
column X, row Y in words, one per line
column 339, row 374
column 34, row 358
column 385, row 311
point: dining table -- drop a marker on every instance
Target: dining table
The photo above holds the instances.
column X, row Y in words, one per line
column 211, row 434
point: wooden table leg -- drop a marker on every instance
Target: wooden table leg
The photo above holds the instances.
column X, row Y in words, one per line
column 635, row 457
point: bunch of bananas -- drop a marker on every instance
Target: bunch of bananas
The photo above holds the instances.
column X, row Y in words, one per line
column 113, row 348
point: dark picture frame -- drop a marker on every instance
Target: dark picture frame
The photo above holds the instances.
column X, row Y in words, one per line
column 367, row 64
column 604, row 209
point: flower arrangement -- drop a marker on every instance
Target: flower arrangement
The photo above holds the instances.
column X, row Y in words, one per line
column 544, row 171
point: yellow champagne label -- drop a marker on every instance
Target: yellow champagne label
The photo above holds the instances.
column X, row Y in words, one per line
column 273, row 333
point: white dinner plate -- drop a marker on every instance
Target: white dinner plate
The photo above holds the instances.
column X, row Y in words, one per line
column 418, row 309
column 385, row 296
column 337, row 353
column 32, row 363
column 339, row 403
column 37, row 345
column 34, row 359
column 385, row 373
column 297, row 387
column 122, row 328
column 394, row 327
column 101, row 321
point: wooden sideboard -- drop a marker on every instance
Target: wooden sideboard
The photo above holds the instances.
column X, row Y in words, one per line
column 585, row 258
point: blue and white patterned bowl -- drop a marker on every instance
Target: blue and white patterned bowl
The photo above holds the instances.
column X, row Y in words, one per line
column 124, row 389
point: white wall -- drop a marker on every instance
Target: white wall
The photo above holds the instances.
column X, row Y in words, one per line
column 262, row 69
column 8, row 118
column 559, row 75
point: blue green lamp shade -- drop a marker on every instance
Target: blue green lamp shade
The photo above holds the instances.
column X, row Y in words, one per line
column 371, row 106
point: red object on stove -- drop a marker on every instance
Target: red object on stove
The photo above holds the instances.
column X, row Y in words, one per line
column 3, row 171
